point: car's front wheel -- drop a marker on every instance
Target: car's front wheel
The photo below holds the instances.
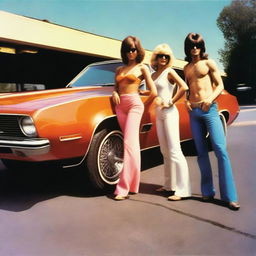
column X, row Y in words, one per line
column 105, row 158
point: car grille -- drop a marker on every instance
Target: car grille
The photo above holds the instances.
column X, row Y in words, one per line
column 9, row 126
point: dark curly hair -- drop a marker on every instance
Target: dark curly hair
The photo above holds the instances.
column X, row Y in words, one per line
column 126, row 45
column 194, row 39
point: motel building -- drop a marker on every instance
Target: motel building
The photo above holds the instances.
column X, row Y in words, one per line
column 37, row 54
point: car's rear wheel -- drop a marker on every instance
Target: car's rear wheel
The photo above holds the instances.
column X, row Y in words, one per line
column 225, row 127
column 224, row 123
column 105, row 158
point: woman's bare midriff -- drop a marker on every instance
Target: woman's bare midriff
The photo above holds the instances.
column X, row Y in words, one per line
column 130, row 89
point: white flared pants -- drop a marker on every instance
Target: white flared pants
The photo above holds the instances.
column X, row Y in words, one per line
column 176, row 174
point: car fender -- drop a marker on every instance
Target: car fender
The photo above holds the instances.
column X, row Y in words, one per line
column 70, row 126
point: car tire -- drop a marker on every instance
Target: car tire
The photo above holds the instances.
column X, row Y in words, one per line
column 224, row 123
column 105, row 158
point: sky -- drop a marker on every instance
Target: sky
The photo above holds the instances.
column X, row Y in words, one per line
column 152, row 21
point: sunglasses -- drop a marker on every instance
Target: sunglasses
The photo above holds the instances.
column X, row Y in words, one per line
column 131, row 50
column 198, row 46
column 160, row 56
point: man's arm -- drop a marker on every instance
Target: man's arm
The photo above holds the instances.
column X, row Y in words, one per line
column 217, row 82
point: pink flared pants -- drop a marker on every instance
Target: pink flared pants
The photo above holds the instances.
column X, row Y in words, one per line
column 129, row 113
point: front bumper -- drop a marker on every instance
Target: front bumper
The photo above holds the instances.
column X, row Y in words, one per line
column 24, row 147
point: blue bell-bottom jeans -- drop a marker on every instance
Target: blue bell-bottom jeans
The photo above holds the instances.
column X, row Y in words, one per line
column 202, row 122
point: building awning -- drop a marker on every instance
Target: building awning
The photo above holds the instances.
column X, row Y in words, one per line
column 39, row 33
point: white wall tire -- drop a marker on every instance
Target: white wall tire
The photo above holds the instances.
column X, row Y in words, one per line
column 105, row 158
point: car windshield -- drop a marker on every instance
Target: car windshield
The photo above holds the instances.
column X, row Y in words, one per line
column 96, row 75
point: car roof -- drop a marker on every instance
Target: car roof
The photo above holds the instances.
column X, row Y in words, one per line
column 106, row 62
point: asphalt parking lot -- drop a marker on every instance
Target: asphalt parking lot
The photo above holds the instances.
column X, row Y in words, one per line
column 57, row 213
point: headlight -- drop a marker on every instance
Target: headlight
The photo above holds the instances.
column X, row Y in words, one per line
column 27, row 126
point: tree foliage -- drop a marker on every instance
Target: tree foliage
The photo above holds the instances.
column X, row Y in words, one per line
column 238, row 24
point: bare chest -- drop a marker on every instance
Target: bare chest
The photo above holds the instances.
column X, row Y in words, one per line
column 197, row 71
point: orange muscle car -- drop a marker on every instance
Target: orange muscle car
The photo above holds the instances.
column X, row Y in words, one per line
column 77, row 124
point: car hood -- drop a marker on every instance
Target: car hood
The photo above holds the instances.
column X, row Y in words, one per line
column 28, row 102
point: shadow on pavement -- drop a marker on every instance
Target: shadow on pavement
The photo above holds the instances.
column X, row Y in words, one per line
column 20, row 190
column 147, row 188
column 23, row 188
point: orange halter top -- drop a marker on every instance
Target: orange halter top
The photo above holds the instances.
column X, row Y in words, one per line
column 130, row 79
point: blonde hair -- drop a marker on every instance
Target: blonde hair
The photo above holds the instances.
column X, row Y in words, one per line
column 161, row 49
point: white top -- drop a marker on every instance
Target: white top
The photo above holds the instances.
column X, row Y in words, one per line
column 164, row 87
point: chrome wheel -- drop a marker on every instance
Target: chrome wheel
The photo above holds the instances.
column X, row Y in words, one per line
column 104, row 160
column 110, row 157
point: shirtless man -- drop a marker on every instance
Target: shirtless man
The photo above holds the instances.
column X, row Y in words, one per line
column 205, row 84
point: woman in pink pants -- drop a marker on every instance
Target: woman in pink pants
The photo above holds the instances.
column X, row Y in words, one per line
column 129, row 109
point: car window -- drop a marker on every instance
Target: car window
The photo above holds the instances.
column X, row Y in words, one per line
column 180, row 73
column 143, row 85
column 96, row 75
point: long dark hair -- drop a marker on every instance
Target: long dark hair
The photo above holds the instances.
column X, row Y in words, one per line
column 194, row 39
column 126, row 46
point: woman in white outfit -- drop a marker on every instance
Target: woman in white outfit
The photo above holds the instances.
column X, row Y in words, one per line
column 176, row 173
